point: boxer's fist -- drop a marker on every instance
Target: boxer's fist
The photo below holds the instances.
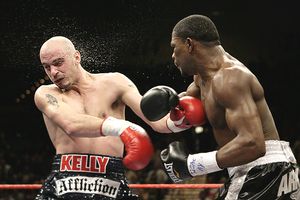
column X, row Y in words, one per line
column 138, row 146
column 158, row 101
column 189, row 111
column 174, row 159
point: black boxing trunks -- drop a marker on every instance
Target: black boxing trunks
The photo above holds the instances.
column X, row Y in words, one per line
column 86, row 176
column 271, row 177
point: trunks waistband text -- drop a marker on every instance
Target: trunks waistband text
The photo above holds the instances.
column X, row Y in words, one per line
column 84, row 163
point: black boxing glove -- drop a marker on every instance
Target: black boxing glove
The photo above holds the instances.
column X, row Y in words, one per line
column 180, row 165
column 174, row 159
column 158, row 101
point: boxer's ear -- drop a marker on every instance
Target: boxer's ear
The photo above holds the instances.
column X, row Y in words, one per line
column 190, row 44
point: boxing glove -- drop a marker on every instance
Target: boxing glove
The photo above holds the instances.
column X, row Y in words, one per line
column 158, row 101
column 174, row 160
column 179, row 165
column 189, row 112
column 138, row 146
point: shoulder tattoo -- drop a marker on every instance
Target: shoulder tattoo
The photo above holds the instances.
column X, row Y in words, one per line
column 52, row 100
column 131, row 85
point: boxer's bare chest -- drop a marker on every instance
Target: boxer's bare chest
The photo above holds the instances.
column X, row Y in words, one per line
column 96, row 101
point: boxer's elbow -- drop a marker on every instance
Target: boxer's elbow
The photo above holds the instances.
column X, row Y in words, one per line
column 261, row 150
column 70, row 128
column 256, row 148
column 67, row 124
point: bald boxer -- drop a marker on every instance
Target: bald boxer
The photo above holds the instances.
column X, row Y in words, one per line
column 84, row 115
column 260, row 165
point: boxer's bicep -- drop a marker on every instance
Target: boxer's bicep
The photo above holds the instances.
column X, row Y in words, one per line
column 132, row 98
column 46, row 102
column 40, row 100
column 62, row 115
column 52, row 107
column 130, row 94
column 241, row 113
column 242, row 119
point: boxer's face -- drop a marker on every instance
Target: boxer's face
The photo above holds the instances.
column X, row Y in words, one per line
column 59, row 66
column 181, row 56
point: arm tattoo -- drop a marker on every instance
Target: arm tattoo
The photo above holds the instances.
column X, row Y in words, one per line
column 131, row 85
column 52, row 100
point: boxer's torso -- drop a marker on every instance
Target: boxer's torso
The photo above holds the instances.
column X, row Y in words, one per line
column 216, row 112
column 101, row 98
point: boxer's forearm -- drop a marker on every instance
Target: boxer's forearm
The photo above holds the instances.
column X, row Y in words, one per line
column 239, row 151
column 80, row 125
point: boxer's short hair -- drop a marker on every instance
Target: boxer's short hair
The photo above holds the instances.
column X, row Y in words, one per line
column 198, row 27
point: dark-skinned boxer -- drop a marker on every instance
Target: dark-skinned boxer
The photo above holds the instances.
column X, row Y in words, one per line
column 260, row 165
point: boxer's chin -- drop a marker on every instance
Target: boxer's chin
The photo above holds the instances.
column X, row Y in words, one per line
column 184, row 74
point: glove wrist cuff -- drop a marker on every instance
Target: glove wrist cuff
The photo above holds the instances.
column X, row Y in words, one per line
column 113, row 126
column 173, row 127
column 202, row 163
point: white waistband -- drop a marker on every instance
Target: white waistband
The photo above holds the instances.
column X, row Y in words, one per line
column 276, row 151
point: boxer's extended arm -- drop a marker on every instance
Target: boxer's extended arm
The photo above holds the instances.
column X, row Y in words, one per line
column 184, row 112
column 63, row 115
column 132, row 98
column 242, row 118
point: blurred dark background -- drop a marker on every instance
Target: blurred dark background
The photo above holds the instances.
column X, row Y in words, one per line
column 133, row 37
